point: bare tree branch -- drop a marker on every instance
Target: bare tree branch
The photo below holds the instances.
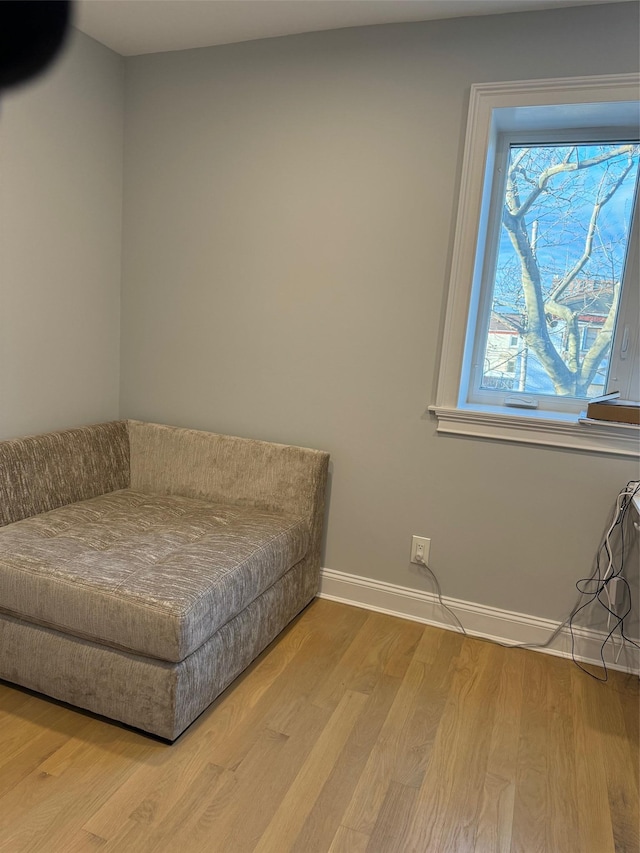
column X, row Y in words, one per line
column 598, row 349
column 536, row 334
column 565, row 166
column 588, row 243
column 567, row 374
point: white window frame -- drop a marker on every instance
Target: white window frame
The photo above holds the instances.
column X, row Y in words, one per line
column 493, row 109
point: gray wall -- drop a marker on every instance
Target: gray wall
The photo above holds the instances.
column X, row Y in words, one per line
column 60, row 238
column 288, row 226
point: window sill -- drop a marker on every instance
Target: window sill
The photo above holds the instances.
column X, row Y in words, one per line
column 564, row 431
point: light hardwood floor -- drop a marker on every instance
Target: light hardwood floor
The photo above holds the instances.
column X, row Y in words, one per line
column 353, row 732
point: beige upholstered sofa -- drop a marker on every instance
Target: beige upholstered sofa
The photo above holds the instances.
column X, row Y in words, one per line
column 143, row 567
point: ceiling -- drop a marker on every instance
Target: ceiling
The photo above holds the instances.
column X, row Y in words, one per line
column 132, row 27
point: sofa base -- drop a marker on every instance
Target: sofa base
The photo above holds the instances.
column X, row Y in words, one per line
column 156, row 696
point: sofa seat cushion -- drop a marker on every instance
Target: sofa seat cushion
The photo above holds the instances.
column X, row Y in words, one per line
column 153, row 574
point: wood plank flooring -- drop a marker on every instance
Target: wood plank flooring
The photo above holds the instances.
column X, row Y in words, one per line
column 353, row 732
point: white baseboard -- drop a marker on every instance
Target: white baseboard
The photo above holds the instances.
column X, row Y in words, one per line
column 503, row 626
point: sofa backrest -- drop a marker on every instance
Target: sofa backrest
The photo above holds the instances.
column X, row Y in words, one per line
column 174, row 460
column 42, row 472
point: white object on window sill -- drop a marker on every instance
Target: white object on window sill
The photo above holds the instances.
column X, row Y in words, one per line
column 567, row 431
column 583, row 419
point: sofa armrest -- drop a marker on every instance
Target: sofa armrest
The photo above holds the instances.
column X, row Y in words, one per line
column 39, row 473
column 227, row 469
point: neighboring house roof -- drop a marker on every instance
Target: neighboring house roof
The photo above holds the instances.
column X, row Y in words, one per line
column 589, row 294
column 508, row 323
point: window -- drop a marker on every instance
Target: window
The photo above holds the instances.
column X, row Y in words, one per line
column 555, row 256
column 543, row 310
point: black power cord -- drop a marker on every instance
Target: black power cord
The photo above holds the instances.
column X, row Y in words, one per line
column 596, row 588
column 593, row 588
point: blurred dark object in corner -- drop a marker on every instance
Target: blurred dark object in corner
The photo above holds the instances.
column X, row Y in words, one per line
column 31, row 34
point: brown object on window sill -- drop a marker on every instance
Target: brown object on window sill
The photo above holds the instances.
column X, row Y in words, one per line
column 614, row 409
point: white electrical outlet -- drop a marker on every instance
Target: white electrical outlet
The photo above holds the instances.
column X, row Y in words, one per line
column 420, row 546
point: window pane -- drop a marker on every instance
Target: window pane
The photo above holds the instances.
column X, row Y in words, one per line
column 566, row 223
